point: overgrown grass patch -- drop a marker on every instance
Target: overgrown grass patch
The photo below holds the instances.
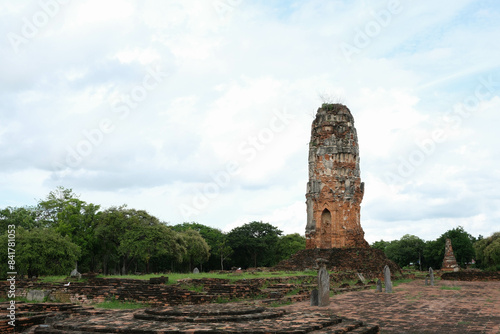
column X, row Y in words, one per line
column 281, row 303
column 53, row 279
column 120, row 305
column 414, row 297
column 19, row 299
column 194, row 288
column 400, row 281
column 293, row 292
column 174, row 277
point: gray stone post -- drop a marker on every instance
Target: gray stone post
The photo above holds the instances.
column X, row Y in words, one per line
column 314, row 297
column 387, row 279
column 431, row 274
column 323, row 283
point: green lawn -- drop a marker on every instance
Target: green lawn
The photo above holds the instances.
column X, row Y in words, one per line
column 174, row 277
column 120, row 305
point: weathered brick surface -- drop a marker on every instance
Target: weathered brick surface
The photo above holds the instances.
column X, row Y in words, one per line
column 368, row 261
column 226, row 318
column 28, row 314
column 471, row 276
column 97, row 290
column 416, row 308
column 334, row 191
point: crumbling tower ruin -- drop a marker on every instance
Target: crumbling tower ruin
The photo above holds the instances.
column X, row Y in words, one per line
column 334, row 190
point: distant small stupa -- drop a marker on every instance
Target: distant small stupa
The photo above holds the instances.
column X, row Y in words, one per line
column 449, row 260
column 334, row 191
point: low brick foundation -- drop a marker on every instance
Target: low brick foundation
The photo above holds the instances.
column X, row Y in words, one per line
column 368, row 261
column 28, row 314
column 217, row 318
column 471, row 276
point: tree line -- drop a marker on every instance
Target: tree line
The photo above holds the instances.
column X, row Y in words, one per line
column 410, row 250
column 62, row 232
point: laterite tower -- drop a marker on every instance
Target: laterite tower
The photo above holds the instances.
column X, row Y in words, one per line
column 334, row 190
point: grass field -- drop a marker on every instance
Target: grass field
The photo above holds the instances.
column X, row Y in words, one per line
column 174, row 277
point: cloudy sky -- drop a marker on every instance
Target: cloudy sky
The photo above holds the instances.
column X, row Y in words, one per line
column 200, row 110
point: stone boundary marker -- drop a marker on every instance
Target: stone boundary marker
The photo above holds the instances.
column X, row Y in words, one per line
column 314, row 297
column 387, row 279
column 323, row 283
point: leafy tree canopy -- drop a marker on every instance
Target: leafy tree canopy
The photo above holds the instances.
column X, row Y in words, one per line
column 136, row 235
column 405, row 251
column 254, row 244
column 488, row 252
column 197, row 249
column 25, row 217
column 290, row 244
column 41, row 251
column 380, row 245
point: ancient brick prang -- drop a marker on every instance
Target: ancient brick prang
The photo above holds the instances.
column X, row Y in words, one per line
column 334, row 191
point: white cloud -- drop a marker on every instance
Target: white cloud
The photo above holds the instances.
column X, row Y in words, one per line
column 228, row 73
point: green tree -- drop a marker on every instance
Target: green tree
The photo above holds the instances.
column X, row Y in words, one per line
column 405, row 251
column 72, row 217
column 54, row 203
column 213, row 237
column 433, row 254
column 25, row 217
column 290, row 244
column 40, row 251
column 254, row 244
column 130, row 236
column 223, row 251
column 488, row 252
column 380, row 245
column 110, row 226
column 197, row 249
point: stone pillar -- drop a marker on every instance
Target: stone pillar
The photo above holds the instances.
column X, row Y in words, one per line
column 387, row 279
column 314, row 297
column 379, row 286
column 323, row 283
column 431, row 274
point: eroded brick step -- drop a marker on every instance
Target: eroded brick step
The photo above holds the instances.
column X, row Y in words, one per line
column 295, row 322
column 189, row 310
column 213, row 319
column 350, row 326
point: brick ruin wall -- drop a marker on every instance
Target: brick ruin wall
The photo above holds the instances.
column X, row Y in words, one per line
column 368, row 261
column 334, row 191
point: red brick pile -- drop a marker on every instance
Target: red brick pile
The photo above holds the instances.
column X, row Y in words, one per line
column 471, row 276
column 368, row 261
column 28, row 315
